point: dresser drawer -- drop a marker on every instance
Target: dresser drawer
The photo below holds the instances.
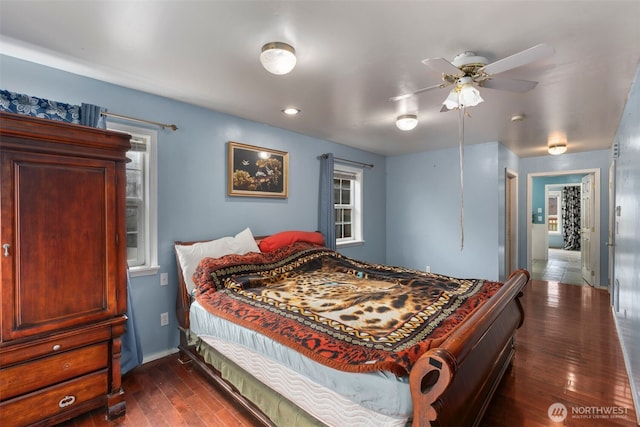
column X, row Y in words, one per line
column 19, row 379
column 53, row 400
column 23, row 351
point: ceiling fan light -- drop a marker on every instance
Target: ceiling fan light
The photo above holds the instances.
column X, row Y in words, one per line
column 470, row 96
column 452, row 100
column 407, row 122
column 278, row 58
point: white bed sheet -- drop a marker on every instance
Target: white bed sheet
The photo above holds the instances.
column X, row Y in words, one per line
column 377, row 395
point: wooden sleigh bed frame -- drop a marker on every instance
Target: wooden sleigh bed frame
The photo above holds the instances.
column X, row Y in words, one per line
column 451, row 385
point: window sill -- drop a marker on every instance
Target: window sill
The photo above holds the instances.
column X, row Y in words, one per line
column 143, row 270
column 350, row 243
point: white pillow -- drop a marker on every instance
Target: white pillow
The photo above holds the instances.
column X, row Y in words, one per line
column 190, row 255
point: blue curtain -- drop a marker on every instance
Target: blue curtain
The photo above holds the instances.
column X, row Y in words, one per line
column 91, row 115
column 326, row 214
column 37, row 107
column 85, row 114
column 131, row 349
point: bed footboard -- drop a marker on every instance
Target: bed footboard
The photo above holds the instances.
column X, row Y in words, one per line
column 453, row 384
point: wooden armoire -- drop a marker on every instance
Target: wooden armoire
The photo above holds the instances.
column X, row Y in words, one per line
column 63, row 270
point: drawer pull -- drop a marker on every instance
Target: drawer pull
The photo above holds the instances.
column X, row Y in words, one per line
column 67, row 401
column 56, row 347
column 5, row 248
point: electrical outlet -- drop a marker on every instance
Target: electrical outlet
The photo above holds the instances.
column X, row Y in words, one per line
column 427, row 269
column 164, row 279
column 164, row 319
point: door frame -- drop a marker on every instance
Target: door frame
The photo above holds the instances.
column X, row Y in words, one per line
column 511, row 221
column 597, row 232
column 611, row 237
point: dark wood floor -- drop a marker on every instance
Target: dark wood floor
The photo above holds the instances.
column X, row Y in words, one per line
column 567, row 352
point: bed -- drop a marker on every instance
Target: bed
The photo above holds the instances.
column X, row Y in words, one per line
column 301, row 335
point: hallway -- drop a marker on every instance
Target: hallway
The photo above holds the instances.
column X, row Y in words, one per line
column 562, row 266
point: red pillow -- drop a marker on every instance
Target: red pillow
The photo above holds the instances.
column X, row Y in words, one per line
column 285, row 238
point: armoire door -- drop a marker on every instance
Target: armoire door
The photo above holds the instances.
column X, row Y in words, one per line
column 58, row 242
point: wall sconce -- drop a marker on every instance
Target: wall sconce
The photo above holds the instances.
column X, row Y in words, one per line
column 278, row 58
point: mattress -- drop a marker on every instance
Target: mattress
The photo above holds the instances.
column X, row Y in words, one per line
column 334, row 397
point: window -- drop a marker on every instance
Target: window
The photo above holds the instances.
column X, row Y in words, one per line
column 553, row 212
column 142, row 254
column 347, row 194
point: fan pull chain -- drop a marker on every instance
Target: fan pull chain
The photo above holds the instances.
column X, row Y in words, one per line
column 461, row 147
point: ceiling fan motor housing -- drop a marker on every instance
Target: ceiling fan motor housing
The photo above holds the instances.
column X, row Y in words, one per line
column 469, row 62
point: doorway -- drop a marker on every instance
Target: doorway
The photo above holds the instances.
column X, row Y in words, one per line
column 588, row 266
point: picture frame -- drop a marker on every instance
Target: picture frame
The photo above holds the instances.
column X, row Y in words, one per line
column 256, row 171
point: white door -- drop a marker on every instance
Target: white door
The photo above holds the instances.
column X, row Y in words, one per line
column 587, row 228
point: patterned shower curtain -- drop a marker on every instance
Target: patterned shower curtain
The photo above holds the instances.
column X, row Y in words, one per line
column 571, row 218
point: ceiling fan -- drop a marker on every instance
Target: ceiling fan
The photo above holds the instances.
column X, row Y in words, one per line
column 468, row 70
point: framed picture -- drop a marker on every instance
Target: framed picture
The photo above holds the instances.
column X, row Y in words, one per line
column 257, row 172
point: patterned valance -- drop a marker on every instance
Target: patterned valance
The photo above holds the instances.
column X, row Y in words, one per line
column 88, row 115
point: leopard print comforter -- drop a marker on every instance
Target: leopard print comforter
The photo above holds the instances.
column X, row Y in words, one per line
column 347, row 314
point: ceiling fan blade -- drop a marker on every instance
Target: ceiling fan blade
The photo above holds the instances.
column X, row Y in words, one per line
column 419, row 91
column 519, row 59
column 441, row 65
column 511, row 85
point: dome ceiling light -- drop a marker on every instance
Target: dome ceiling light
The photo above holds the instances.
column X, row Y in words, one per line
column 407, row 122
column 278, row 58
column 557, row 144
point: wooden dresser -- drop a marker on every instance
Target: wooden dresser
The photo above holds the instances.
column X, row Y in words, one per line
column 63, row 270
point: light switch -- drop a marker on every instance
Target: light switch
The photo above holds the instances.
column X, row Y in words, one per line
column 540, row 218
column 539, row 210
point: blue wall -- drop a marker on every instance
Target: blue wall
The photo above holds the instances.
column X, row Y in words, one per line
column 423, row 211
column 627, row 255
column 192, row 201
column 537, row 191
column 538, row 200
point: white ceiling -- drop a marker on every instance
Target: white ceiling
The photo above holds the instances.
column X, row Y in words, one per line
column 352, row 57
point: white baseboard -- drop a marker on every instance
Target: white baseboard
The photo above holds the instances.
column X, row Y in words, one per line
column 635, row 388
column 159, row 355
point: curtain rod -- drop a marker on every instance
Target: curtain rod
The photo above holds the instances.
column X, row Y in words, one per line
column 120, row 116
column 368, row 165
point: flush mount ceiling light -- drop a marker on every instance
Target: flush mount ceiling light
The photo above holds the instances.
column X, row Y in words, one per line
column 463, row 95
column 557, row 145
column 407, row 121
column 278, row 58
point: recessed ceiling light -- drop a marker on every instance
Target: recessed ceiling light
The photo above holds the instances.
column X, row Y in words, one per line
column 517, row 118
column 291, row 111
